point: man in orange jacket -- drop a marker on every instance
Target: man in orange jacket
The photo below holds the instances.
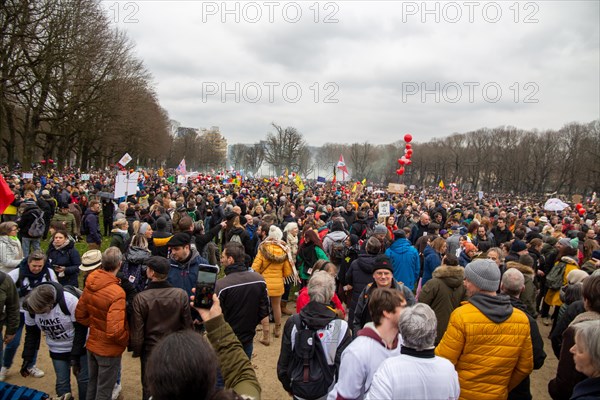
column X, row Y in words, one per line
column 102, row 309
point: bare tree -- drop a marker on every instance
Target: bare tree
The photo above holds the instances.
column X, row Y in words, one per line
column 284, row 147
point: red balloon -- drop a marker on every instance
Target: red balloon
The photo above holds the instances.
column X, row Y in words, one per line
column 408, row 156
column 400, row 171
column 401, row 161
column 43, row 162
column 579, row 206
column 408, row 162
column 408, row 138
column 582, row 211
column 51, row 161
column 408, row 146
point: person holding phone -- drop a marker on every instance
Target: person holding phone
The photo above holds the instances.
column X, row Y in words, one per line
column 64, row 258
column 159, row 310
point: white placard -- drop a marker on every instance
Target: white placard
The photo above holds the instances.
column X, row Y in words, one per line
column 384, row 209
column 181, row 179
column 125, row 185
column 27, row 175
column 85, row 177
column 480, row 195
column 125, row 159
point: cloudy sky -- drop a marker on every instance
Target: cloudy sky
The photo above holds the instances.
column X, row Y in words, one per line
column 350, row 71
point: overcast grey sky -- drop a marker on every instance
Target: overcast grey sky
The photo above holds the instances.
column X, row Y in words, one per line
column 350, row 71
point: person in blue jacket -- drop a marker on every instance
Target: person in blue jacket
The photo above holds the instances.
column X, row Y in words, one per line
column 405, row 260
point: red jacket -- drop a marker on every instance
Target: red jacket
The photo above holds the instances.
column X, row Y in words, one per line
column 303, row 300
column 102, row 309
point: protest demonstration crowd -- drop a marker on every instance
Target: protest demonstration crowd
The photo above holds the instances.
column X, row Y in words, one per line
column 416, row 293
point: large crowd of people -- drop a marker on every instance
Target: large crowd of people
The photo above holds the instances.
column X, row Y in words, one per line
column 440, row 299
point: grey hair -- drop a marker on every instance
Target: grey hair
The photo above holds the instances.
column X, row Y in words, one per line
column 290, row 226
column 111, row 259
column 513, row 282
column 498, row 251
column 418, row 326
column 588, row 333
column 36, row 255
column 40, row 298
column 321, row 287
column 596, row 272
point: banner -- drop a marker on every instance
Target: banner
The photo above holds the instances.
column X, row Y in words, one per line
column 396, row 188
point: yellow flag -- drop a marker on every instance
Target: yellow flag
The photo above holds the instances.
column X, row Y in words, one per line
column 287, row 174
column 298, row 182
column 364, row 182
column 161, row 172
column 441, row 185
column 354, row 188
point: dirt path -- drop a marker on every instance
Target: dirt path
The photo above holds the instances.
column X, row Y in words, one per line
column 264, row 360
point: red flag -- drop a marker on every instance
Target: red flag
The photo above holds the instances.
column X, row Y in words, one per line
column 6, row 195
column 342, row 166
column 334, row 176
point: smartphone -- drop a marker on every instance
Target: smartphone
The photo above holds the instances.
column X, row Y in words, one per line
column 205, row 285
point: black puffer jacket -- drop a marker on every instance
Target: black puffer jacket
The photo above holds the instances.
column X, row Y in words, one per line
column 67, row 257
column 359, row 275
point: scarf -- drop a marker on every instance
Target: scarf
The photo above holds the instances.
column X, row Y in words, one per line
column 65, row 244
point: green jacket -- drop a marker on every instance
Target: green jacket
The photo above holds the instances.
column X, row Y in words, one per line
column 235, row 365
column 69, row 222
column 9, row 304
column 303, row 268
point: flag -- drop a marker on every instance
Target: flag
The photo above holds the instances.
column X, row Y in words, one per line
column 266, row 180
column 354, row 188
column 364, row 182
column 441, row 185
column 334, row 176
column 6, row 195
column 161, row 172
column 342, row 166
column 299, row 183
column 320, row 179
column 286, row 176
column 171, row 179
column 181, row 168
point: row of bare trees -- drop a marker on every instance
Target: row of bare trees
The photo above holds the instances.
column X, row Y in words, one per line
column 504, row 159
column 71, row 89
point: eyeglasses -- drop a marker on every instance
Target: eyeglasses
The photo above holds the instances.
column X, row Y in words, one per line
column 382, row 273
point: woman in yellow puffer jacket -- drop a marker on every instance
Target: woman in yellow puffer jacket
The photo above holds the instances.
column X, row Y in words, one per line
column 273, row 262
column 568, row 256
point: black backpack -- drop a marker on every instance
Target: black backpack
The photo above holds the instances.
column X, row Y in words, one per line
column 310, row 375
column 60, row 295
column 83, row 229
column 338, row 249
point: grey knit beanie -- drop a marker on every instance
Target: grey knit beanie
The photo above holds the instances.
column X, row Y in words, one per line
column 380, row 229
column 484, row 274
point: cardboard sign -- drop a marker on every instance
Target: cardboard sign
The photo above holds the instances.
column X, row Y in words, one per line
column 27, row 175
column 286, row 189
column 396, row 188
column 125, row 159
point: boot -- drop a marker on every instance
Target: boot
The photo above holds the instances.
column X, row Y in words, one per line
column 265, row 340
column 284, row 310
column 277, row 331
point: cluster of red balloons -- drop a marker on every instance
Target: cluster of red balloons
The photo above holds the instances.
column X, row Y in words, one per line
column 49, row 161
column 408, row 151
column 580, row 209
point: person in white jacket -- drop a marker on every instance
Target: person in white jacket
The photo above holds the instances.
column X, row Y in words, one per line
column 417, row 373
column 376, row 342
column 11, row 252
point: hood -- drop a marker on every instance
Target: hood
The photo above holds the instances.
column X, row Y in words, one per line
column 317, row 315
column 273, row 251
column 518, row 304
column 30, row 207
column 137, row 255
column 366, row 262
column 451, row 275
column 569, row 260
column 337, row 235
column 428, row 250
column 99, row 279
column 401, row 246
column 524, row 269
column 497, row 308
column 182, row 265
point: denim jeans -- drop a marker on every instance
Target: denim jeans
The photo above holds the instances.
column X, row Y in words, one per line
column 248, row 349
column 11, row 348
column 26, row 243
column 62, row 369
